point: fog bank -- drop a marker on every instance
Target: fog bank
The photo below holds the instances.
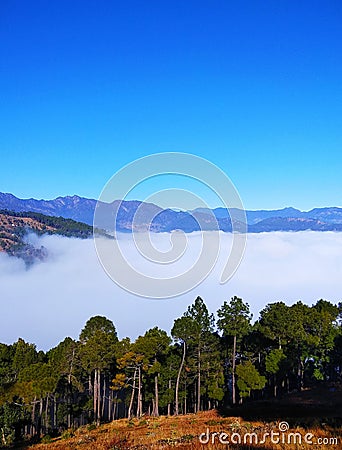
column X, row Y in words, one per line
column 53, row 299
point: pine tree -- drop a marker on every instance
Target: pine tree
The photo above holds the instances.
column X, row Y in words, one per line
column 98, row 340
column 234, row 322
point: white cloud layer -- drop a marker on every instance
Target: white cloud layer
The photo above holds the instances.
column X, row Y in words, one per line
column 54, row 299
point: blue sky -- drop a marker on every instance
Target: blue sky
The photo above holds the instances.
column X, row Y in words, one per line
column 255, row 87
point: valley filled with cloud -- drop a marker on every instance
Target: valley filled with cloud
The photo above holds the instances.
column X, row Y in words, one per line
column 54, row 298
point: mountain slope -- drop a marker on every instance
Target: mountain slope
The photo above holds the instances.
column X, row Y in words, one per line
column 292, row 224
column 15, row 226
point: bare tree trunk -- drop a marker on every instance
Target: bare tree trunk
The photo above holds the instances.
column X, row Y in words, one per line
column 46, row 413
column 132, row 395
column 198, row 408
column 69, row 400
column 185, row 403
column 103, row 395
column 169, row 404
column 300, row 373
column 139, row 408
column 3, row 437
column 233, row 372
column 95, row 396
column 156, row 393
column 115, row 404
column 98, row 397
column 40, row 417
column 90, row 386
column 91, row 391
column 33, row 415
column 110, row 405
column 178, row 378
column 54, row 412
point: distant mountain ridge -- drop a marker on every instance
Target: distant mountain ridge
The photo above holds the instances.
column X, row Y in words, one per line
column 70, row 207
column 165, row 220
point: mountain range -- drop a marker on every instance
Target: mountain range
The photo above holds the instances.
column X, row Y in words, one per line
column 142, row 216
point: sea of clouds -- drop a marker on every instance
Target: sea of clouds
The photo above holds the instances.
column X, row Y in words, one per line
column 54, row 299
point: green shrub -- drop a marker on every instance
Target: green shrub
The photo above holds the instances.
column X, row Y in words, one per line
column 46, row 439
column 67, row 434
column 91, row 427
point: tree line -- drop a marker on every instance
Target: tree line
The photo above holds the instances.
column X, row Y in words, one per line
column 65, row 227
column 204, row 364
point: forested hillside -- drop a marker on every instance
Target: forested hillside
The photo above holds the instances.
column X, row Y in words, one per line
column 204, row 364
column 14, row 227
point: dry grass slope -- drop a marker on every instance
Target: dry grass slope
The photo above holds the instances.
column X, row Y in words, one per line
column 182, row 432
column 9, row 226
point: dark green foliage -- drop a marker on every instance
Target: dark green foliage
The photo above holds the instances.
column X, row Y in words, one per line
column 95, row 325
column 234, row 318
column 273, row 360
column 99, row 378
column 201, row 369
column 25, row 355
column 235, row 323
column 12, row 417
column 249, row 378
column 65, row 227
column 7, row 373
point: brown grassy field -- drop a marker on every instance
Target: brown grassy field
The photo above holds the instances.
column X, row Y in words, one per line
column 183, row 432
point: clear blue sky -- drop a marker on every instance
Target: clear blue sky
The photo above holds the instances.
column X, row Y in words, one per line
column 254, row 86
